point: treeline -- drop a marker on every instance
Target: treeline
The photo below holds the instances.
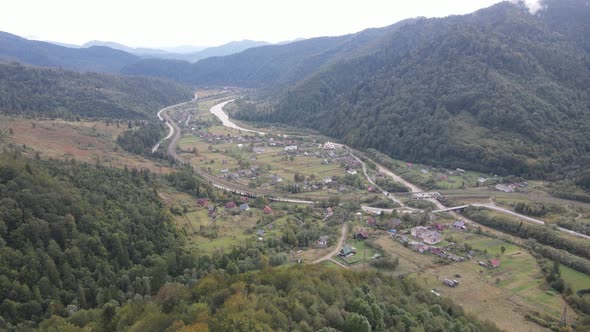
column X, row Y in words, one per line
column 541, row 233
column 141, row 140
column 299, row 298
column 32, row 91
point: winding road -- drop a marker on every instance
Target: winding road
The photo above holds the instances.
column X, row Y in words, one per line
column 217, row 110
column 333, row 252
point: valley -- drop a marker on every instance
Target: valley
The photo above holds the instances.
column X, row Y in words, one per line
column 422, row 174
column 224, row 150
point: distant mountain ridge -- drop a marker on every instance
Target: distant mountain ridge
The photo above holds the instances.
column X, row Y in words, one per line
column 38, row 53
column 98, row 56
column 121, row 47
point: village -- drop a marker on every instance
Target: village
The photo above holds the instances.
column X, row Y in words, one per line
column 350, row 221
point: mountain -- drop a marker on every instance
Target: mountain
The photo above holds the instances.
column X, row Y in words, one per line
column 499, row 90
column 183, row 49
column 225, row 49
column 38, row 53
column 137, row 51
column 61, row 93
column 264, row 66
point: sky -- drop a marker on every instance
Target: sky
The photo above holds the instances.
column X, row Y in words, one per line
column 149, row 23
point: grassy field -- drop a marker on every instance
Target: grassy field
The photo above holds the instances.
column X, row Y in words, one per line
column 88, row 141
column 502, row 295
column 576, row 279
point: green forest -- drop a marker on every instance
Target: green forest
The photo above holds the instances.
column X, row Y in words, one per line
column 298, row 298
column 31, row 91
column 498, row 92
column 85, row 246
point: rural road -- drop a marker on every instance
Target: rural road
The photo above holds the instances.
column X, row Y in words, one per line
column 529, row 219
column 337, row 248
column 217, row 110
column 163, row 116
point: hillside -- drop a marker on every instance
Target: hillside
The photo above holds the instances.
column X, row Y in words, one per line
column 37, row 53
column 75, row 236
column 499, row 91
column 266, row 66
column 61, row 93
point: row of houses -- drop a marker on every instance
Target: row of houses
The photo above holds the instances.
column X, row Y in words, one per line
column 423, row 248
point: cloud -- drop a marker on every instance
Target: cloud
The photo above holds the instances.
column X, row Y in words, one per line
column 532, row 5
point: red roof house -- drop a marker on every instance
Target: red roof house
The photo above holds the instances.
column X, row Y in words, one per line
column 362, row 235
column 494, row 263
column 230, row 205
column 267, row 210
column 202, row 202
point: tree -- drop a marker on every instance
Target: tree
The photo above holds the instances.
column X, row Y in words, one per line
column 231, row 268
column 357, row 323
column 502, row 249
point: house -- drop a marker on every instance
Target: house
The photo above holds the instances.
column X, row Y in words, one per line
column 371, row 189
column 323, row 241
column 439, row 227
column 392, row 232
column 202, row 202
column 230, row 205
column 494, row 263
column 329, row 146
column 327, row 180
column 362, row 235
column 244, row 199
column 450, row 283
column 460, row 171
column 328, row 213
column 504, row 188
column 428, row 236
column 290, row 148
column 211, row 211
column 424, row 171
column 460, row 225
column 260, row 232
column 482, row 180
column 225, row 170
column 395, row 223
column 351, row 171
column 244, row 207
column 432, row 237
column 258, row 149
column 347, row 251
column 267, row 210
column 371, row 221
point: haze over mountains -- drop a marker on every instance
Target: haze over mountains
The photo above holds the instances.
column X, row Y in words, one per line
column 500, row 90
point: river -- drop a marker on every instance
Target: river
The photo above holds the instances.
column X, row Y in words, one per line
column 217, row 110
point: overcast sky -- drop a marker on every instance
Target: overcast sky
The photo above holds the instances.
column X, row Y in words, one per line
column 151, row 23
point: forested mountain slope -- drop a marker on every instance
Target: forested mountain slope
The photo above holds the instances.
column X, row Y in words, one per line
column 500, row 90
column 61, row 93
column 265, row 66
column 97, row 58
column 75, row 236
